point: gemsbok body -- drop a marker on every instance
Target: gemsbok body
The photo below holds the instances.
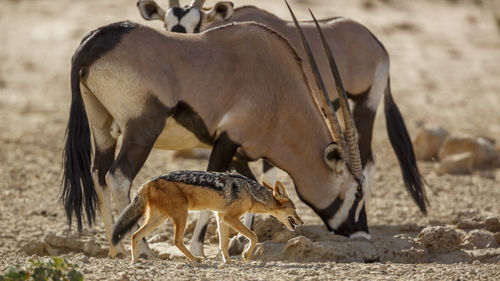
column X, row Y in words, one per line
column 363, row 64
column 240, row 89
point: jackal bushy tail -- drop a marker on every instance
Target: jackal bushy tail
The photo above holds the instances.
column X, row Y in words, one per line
column 129, row 216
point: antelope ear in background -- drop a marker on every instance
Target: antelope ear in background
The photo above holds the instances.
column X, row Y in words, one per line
column 220, row 12
column 150, row 10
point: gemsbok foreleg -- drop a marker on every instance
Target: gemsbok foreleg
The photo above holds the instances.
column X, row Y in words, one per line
column 220, row 158
column 138, row 140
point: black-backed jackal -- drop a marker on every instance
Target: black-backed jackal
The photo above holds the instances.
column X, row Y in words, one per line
column 230, row 195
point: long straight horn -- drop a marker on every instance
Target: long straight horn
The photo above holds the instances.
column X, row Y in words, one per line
column 350, row 128
column 173, row 3
column 198, row 3
column 323, row 101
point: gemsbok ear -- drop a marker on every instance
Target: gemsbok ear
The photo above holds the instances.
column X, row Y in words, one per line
column 266, row 185
column 279, row 192
column 150, row 10
column 334, row 157
column 221, row 11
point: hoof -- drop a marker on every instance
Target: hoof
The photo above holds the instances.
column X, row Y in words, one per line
column 236, row 245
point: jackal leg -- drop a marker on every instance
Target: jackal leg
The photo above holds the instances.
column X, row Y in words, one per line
column 222, row 153
column 236, row 224
column 238, row 242
column 223, row 238
column 154, row 218
column 179, row 217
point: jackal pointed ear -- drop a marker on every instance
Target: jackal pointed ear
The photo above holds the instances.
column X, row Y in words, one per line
column 279, row 192
column 335, row 158
column 150, row 10
column 220, row 12
column 266, row 185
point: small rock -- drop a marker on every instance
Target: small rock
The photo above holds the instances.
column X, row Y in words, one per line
column 33, row 247
column 297, row 246
column 468, row 224
column 439, row 239
column 179, row 266
column 266, row 227
column 428, row 142
column 476, row 262
column 93, row 249
column 482, row 150
column 491, row 224
column 462, row 163
column 123, row 276
column 283, row 236
column 497, row 237
column 479, row 239
column 383, row 267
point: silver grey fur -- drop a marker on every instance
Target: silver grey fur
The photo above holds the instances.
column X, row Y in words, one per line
column 229, row 185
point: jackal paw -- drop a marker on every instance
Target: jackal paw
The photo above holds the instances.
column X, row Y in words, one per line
column 236, row 245
column 246, row 255
column 196, row 260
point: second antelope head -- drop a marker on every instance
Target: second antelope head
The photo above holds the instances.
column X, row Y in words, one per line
column 192, row 18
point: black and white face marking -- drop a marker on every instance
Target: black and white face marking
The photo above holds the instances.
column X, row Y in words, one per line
column 346, row 214
column 183, row 20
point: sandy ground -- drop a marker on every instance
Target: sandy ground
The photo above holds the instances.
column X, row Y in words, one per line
column 445, row 72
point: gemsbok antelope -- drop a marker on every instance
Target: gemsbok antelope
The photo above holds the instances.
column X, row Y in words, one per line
column 363, row 64
column 256, row 103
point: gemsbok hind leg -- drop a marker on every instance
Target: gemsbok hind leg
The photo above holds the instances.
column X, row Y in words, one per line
column 104, row 146
column 138, row 140
column 220, row 158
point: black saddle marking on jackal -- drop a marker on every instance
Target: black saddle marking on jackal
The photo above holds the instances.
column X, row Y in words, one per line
column 213, row 180
column 77, row 185
column 227, row 185
column 188, row 118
